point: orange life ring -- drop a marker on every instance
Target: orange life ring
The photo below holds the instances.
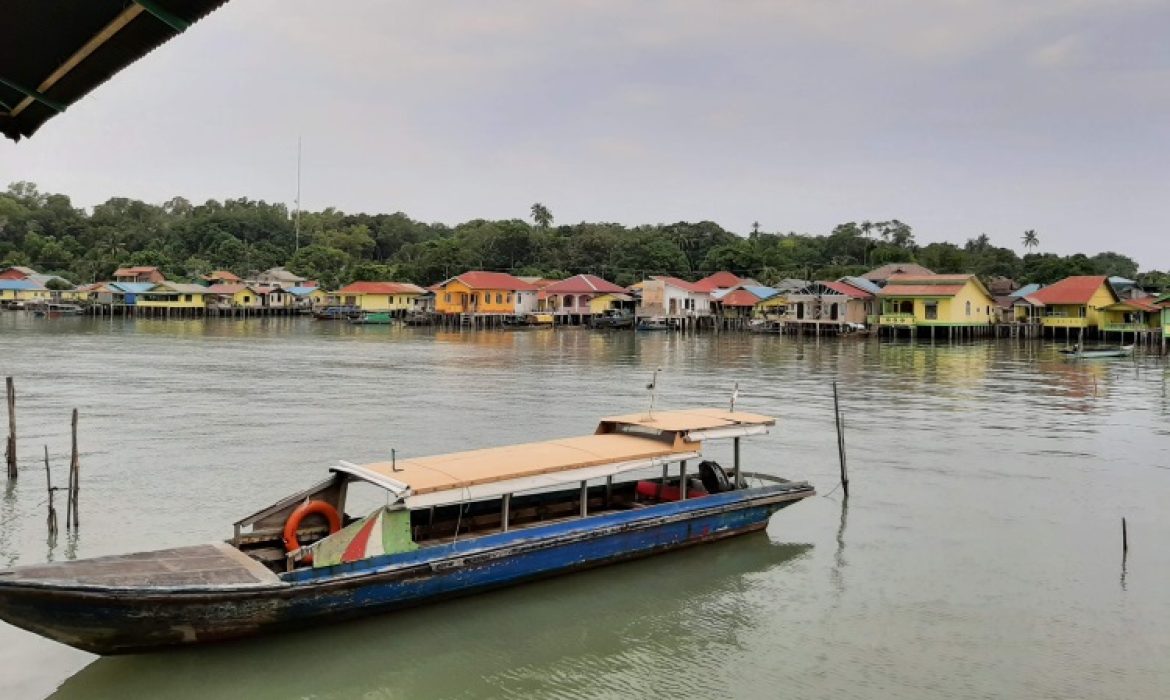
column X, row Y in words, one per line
column 302, row 511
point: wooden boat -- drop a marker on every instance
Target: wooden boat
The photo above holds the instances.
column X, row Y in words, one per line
column 377, row 318
column 613, row 318
column 1090, row 353
column 654, row 323
column 336, row 313
column 454, row 524
column 55, row 310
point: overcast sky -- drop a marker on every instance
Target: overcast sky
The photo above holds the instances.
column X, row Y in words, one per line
column 958, row 117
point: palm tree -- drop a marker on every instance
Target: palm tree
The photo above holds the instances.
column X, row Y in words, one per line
column 1031, row 240
column 541, row 215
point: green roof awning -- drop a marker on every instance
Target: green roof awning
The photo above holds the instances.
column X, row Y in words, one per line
column 54, row 52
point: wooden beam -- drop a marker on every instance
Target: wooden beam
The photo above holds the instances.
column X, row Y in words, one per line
column 83, row 53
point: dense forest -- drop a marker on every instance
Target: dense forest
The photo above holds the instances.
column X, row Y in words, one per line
column 47, row 232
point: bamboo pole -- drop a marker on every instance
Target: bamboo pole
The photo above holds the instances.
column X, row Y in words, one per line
column 10, row 450
column 74, row 478
column 52, row 518
column 840, row 441
column 1124, row 539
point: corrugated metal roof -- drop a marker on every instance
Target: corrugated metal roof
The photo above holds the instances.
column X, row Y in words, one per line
column 479, row 279
column 583, row 284
column 301, row 291
column 740, row 297
column 1073, row 290
column 380, row 288
column 862, row 284
column 54, row 53
column 848, row 290
column 1026, row 290
column 677, row 283
column 21, row 285
column 719, row 280
column 132, row 287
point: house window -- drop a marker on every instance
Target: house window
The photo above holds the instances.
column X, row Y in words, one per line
column 447, row 297
column 1081, row 311
column 499, row 298
column 569, row 301
column 931, row 309
column 509, row 298
column 186, row 297
column 968, row 308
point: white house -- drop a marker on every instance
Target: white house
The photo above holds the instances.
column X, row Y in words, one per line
column 672, row 297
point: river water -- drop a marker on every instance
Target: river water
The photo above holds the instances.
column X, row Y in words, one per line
column 979, row 555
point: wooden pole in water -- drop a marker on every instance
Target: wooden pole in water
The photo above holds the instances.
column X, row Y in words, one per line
column 74, row 477
column 840, row 441
column 10, row 450
column 1124, row 538
column 52, row 519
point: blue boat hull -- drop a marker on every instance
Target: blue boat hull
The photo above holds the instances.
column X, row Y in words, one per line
column 108, row 621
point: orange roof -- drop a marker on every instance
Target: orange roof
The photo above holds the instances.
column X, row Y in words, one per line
column 583, row 284
column 719, row 280
column 223, row 275
column 740, row 297
column 478, row 279
column 1073, row 290
column 1142, row 304
column 380, row 288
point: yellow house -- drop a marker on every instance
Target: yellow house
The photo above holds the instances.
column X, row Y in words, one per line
column 936, row 301
column 598, row 305
column 239, row 296
column 1163, row 303
column 1076, row 302
column 174, row 295
column 380, row 296
column 1132, row 316
column 20, row 291
column 485, row 293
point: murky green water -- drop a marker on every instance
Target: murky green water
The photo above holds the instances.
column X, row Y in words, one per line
column 979, row 556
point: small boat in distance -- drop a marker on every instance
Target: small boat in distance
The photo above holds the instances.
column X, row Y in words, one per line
column 654, row 323
column 372, row 318
column 1091, row 353
column 451, row 525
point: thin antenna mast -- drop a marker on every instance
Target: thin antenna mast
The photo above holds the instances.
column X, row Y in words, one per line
column 297, row 216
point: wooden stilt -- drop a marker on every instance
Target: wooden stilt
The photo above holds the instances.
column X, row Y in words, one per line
column 10, row 449
column 74, row 478
column 52, row 517
column 840, row 442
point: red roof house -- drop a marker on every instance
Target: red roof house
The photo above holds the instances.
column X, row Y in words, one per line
column 572, row 296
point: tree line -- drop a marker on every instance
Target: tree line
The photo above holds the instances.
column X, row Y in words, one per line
column 185, row 240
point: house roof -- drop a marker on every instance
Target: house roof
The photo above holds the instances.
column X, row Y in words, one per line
column 583, row 284
column 931, row 285
column 380, row 288
column 1030, row 301
column 179, row 288
column 1074, row 290
column 226, row 288
column 885, row 272
column 719, row 280
column 677, row 283
column 21, row 285
column 17, row 272
column 131, row 287
column 848, row 290
column 302, row 291
column 54, row 53
column 281, row 274
column 478, row 279
column 862, row 284
column 1026, row 290
column 134, row 271
column 740, row 298
column 1138, row 304
column 223, row 275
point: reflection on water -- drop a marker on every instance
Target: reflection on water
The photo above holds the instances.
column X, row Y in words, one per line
column 976, row 557
column 556, row 638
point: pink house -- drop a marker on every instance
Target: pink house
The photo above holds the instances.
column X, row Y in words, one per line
column 571, row 297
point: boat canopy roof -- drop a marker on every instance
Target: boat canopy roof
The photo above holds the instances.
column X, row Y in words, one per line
column 621, row 443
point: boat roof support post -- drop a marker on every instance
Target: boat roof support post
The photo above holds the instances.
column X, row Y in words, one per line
column 738, row 467
column 506, row 506
column 682, row 480
column 584, row 498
